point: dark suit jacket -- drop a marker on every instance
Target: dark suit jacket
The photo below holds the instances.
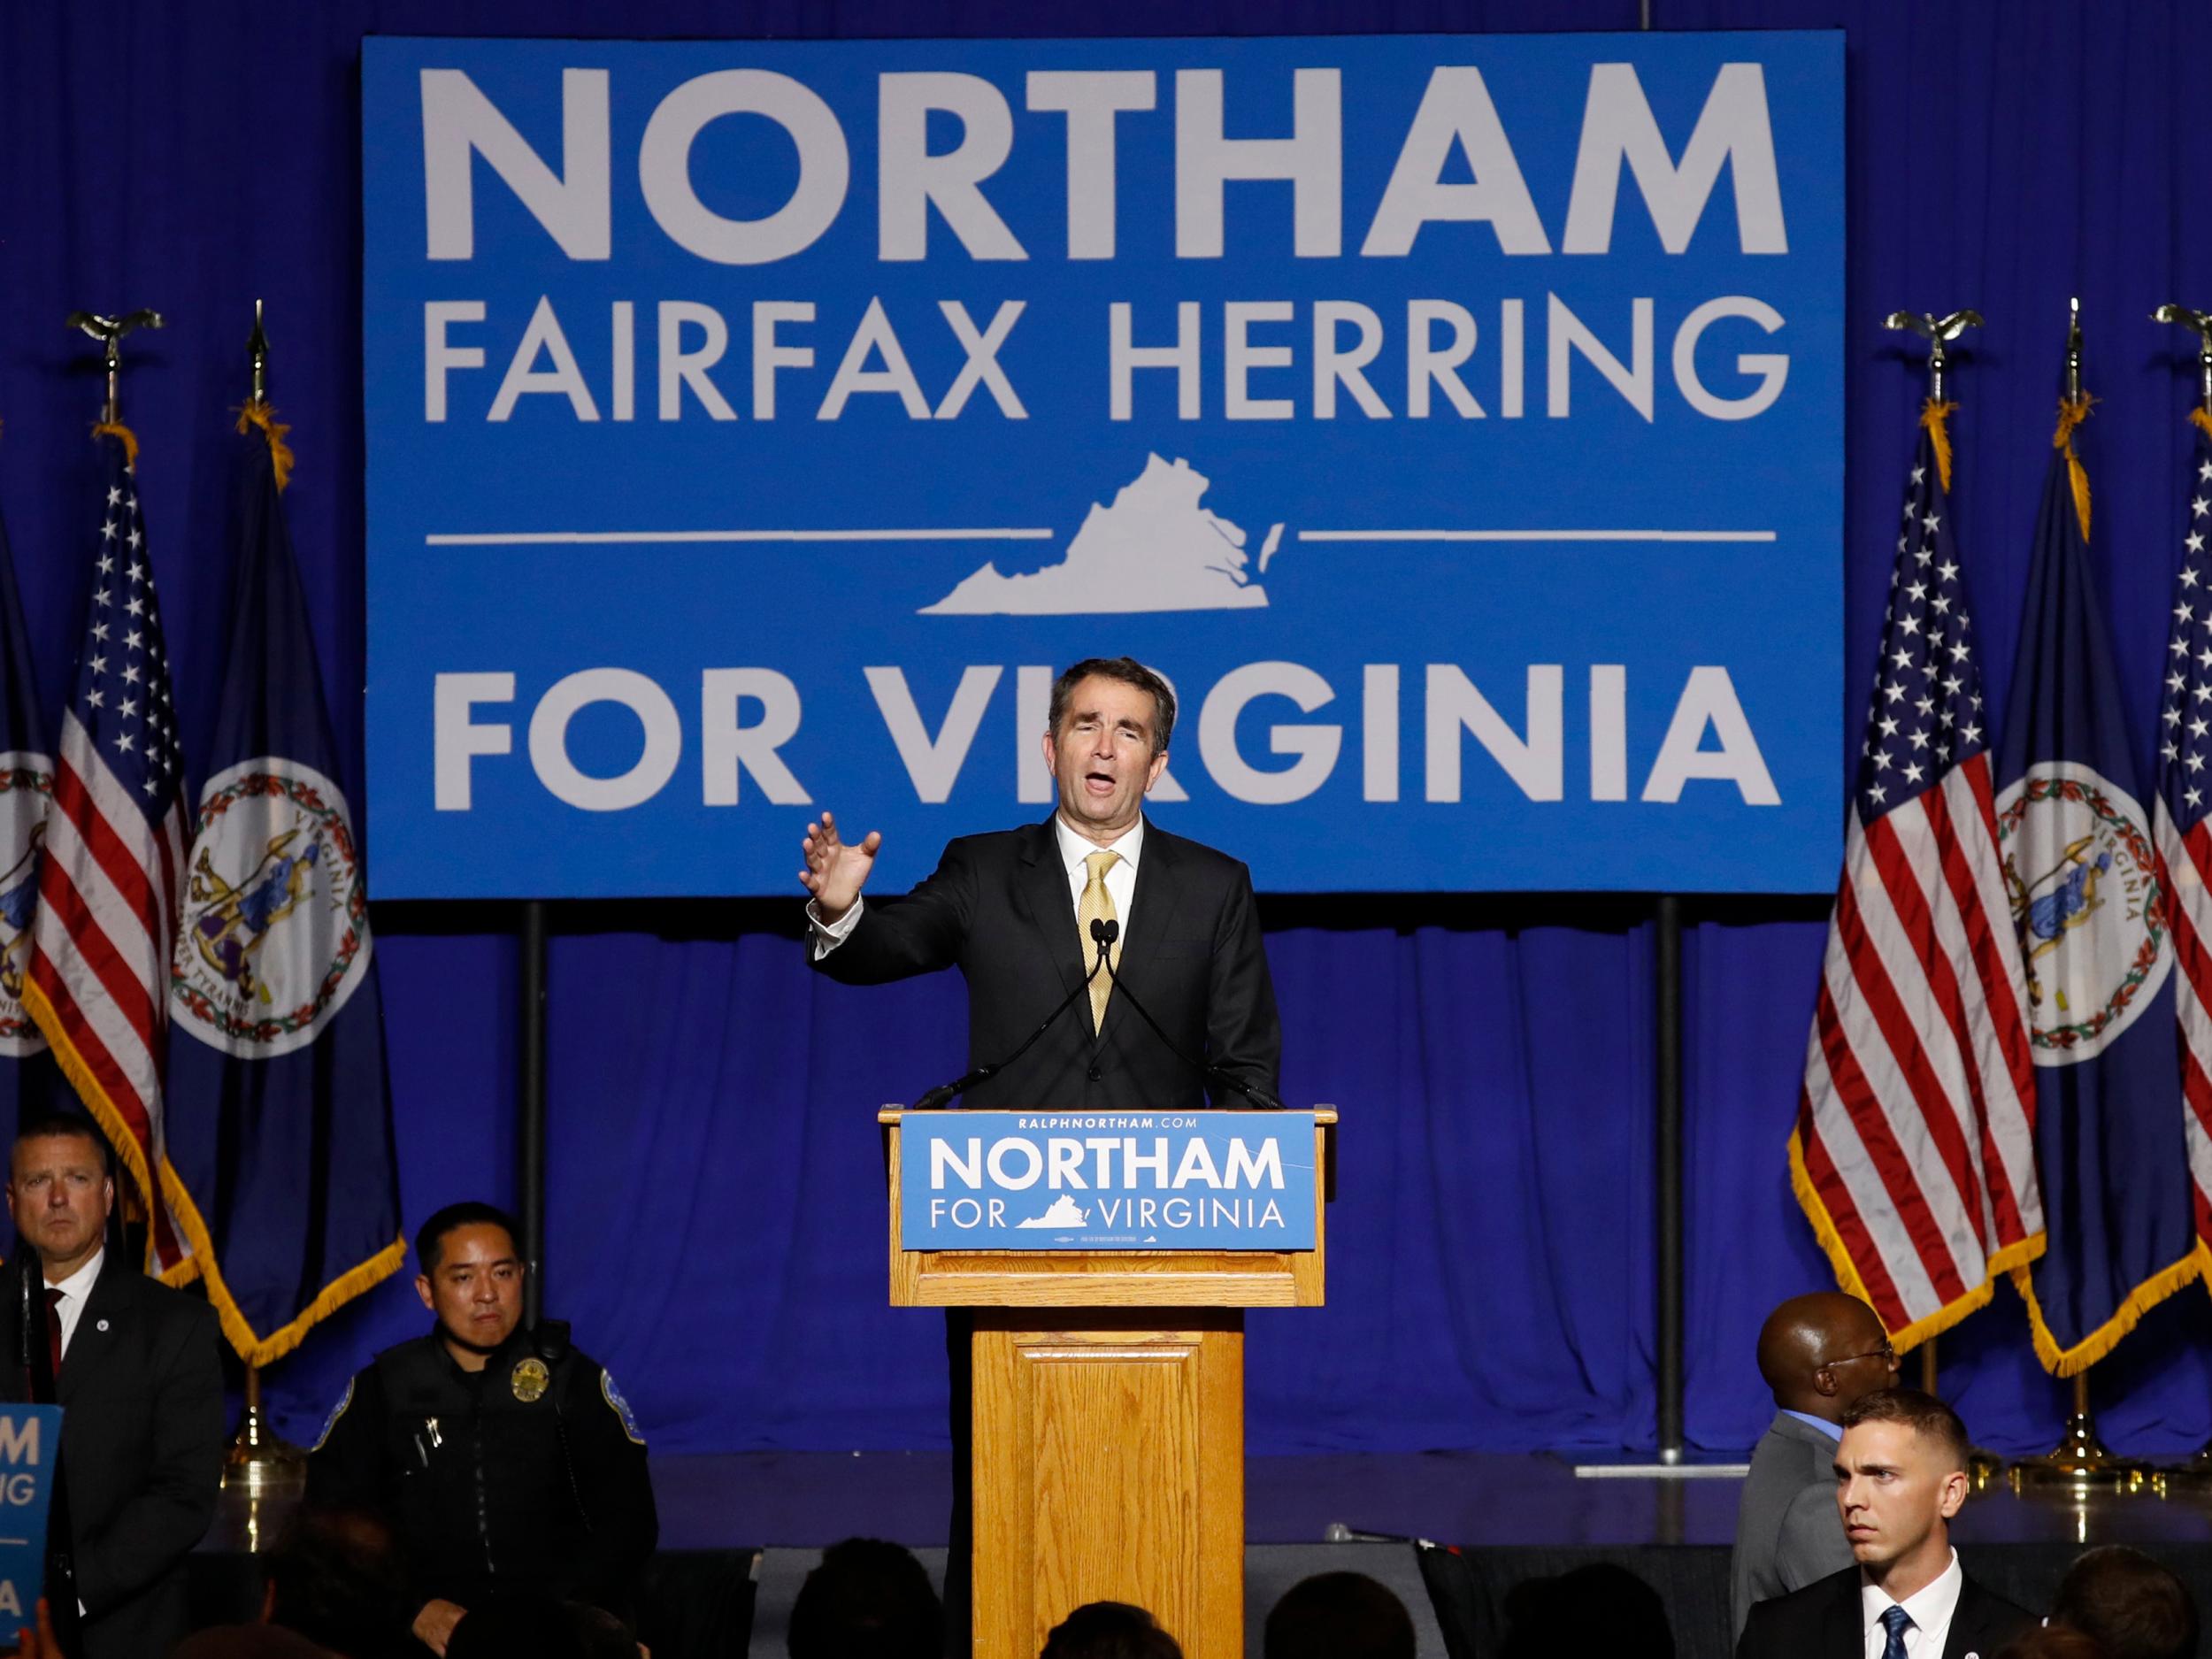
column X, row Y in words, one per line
column 1788, row 1530
column 998, row 907
column 141, row 1453
column 1823, row 1621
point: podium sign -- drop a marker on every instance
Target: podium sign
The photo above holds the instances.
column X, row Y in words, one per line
column 30, row 1451
column 1123, row 1180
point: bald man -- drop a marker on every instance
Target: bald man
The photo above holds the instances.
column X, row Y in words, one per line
column 1819, row 1354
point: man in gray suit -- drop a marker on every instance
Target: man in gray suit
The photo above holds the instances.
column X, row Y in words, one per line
column 1818, row 1354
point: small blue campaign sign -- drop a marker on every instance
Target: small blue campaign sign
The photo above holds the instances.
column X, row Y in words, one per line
column 1126, row 1180
column 30, row 1448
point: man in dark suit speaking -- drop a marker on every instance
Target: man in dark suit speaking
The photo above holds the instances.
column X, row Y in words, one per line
column 141, row 1386
column 1015, row 911
column 1900, row 1476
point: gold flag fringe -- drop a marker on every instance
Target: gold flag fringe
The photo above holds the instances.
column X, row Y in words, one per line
column 124, row 435
column 2071, row 1362
column 1932, row 416
column 260, row 412
column 2201, row 420
column 2070, row 415
column 2013, row 1258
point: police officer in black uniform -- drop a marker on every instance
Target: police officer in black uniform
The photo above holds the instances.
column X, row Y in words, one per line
column 506, row 1458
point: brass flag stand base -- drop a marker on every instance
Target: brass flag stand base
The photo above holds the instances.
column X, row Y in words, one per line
column 262, row 1469
column 2080, row 1458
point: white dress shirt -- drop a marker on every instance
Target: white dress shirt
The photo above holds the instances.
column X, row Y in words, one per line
column 1931, row 1607
column 1121, row 886
column 75, row 1291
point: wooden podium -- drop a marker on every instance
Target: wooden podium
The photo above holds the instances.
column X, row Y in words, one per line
column 1109, row 1420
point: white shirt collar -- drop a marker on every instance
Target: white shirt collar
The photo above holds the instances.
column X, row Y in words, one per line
column 1075, row 848
column 79, row 1284
column 1930, row 1607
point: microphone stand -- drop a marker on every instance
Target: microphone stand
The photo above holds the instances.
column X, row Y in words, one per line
column 944, row 1092
column 1105, row 933
column 35, row 1363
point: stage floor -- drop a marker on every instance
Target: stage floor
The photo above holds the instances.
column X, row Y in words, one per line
column 809, row 1499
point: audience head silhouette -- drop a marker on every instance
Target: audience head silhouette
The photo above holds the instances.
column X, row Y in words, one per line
column 868, row 1600
column 1110, row 1630
column 523, row 1623
column 1339, row 1616
column 1600, row 1611
column 334, row 1577
column 2051, row 1642
column 2130, row 1606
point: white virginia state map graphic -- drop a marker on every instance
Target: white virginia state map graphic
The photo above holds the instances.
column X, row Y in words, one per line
column 1156, row 548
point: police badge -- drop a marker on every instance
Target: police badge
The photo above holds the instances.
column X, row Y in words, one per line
column 530, row 1380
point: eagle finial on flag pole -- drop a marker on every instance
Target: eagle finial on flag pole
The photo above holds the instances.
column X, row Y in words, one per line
column 2200, row 324
column 109, row 331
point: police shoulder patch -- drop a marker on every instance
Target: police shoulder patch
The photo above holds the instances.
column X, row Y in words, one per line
column 620, row 1406
column 331, row 1422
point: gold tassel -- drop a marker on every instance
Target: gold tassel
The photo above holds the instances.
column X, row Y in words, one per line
column 2201, row 420
column 124, row 435
column 2070, row 415
column 1933, row 415
column 260, row 412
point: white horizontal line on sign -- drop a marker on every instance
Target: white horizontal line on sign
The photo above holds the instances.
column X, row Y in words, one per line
column 543, row 538
column 1536, row 535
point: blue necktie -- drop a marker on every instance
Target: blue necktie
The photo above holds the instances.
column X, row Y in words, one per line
column 1896, row 1621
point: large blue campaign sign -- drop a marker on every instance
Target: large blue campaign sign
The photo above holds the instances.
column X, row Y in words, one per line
column 1126, row 1180
column 753, row 428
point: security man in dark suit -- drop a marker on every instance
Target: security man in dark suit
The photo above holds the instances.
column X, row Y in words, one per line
column 138, row 1373
column 1900, row 1476
column 505, row 1458
column 1021, row 913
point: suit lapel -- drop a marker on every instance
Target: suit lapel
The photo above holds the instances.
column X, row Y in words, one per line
column 1845, row 1623
column 1152, row 904
column 1041, row 891
column 93, row 1340
column 1968, row 1625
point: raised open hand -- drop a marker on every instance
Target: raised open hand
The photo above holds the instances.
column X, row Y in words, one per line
column 836, row 868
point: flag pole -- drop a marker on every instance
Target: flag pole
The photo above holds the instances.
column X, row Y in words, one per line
column 2198, row 1468
column 2080, row 1459
column 109, row 332
column 259, row 1463
column 1982, row 1467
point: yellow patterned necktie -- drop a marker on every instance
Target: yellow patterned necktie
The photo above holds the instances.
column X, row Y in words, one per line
column 1098, row 906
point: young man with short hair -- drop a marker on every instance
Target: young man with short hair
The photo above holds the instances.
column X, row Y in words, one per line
column 1900, row 1476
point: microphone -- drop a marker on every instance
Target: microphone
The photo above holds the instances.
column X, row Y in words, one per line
column 1104, row 932
column 1337, row 1533
column 944, row 1092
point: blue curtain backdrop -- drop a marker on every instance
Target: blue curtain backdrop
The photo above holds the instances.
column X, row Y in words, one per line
column 715, row 1185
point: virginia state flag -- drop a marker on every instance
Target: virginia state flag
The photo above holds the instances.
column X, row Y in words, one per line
column 279, row 1105
column 2088, row 899
column 28, row 1073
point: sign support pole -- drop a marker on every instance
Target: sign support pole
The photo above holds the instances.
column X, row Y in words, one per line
column 530, row 1113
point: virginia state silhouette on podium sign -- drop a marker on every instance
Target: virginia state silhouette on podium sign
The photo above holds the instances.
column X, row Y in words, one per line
column 1064, row 1212
column 1156, row 548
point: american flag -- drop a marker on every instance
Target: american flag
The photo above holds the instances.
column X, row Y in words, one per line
column 1914, row 1153
column 98, row 979
column 2185, row 797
